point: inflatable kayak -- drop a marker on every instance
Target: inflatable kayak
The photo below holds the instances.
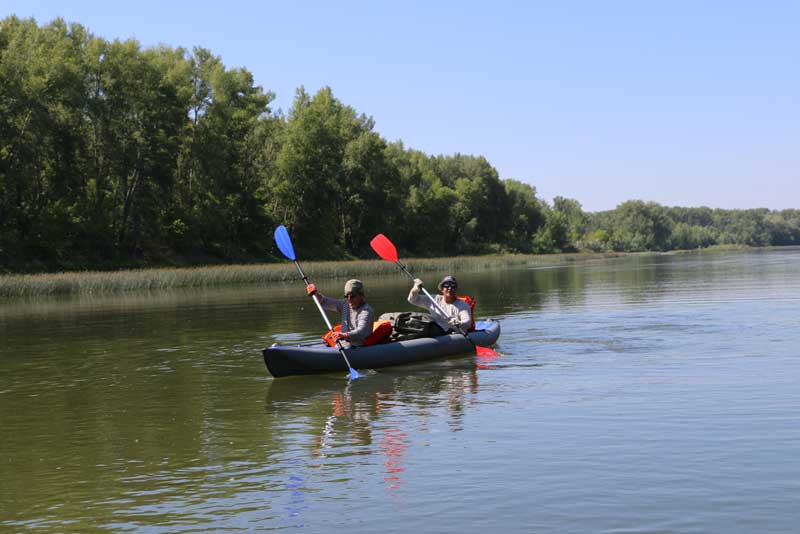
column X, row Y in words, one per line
column 314, row 359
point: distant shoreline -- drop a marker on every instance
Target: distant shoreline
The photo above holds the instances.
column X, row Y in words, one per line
column 153, row 279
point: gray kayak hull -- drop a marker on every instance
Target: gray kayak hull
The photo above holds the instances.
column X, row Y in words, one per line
column 316, row 359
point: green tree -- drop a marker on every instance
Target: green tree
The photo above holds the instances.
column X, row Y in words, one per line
column 688, row 237
column 784, row 227
column 309, row 169
column 372, row 192
column 574, row 219
column 523, row 218
column 641, row 226
column 228, row 199
column 334, row 181
column 40, row 142
column 480, row 197
column 553, row 236
column 742, row 227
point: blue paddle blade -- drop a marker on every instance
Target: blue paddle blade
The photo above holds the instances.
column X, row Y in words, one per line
column 354, row 374
column 284, row 242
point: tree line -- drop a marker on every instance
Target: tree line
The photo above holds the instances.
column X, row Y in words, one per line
column 114, row 155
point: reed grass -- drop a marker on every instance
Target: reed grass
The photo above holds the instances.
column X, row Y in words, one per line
column 98, row 282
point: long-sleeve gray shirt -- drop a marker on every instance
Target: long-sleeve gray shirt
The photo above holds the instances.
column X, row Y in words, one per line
column 356, row 322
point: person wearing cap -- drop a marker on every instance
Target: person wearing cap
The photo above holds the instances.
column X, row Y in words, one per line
column 457, row 318
column 357, row 315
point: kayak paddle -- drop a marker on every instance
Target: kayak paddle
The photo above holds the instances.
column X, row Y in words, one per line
column 284, row 243
column 387, row 251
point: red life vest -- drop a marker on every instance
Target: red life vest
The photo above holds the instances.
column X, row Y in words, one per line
column 471, row 302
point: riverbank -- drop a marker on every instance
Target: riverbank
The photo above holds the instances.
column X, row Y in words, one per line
column 97, row 282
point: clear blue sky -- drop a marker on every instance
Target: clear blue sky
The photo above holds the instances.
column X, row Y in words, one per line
column 683, row 103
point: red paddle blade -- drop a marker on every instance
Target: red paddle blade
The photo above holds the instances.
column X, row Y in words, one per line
column 484, row 360
column 485, row 351
column 384, row 248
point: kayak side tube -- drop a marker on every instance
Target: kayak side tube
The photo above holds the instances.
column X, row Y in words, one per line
column 305, row 360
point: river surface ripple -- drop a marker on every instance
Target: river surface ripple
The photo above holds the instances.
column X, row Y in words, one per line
column 647, row 394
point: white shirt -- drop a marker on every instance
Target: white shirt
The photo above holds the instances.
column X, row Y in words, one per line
column 458, row 308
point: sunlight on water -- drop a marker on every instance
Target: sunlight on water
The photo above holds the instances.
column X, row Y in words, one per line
column 641, row 394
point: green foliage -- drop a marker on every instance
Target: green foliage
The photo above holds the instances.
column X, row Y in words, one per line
column 636, row 226
column 687, row 237
column 783, row 227
column 321, row 170
column 112, row 155
column 641, row 226
column 523, row 216
column 104, row 146
column 574, row 219
column 554, row 235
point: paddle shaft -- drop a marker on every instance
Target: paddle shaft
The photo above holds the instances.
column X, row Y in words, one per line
column 324, row 315
column 433, row 301
column 387, row 251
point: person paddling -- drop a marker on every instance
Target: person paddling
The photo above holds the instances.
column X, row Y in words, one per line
column 357, row 315
column 458, row 316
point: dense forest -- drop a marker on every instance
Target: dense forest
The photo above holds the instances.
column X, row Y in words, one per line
column 112, row 155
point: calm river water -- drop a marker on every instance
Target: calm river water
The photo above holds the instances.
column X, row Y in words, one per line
column 648, row 394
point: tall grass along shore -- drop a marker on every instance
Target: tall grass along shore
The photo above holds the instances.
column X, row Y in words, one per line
column 96, row 282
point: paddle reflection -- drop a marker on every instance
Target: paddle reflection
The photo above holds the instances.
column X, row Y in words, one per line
column 392, row 445
column 382, row 415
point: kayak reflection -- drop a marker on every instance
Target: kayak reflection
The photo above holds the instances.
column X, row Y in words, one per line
column 379, row 416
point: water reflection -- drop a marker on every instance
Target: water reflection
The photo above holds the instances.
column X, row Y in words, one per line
column 155, row 413
column 375, row 417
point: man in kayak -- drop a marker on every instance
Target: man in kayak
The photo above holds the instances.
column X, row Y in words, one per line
column 457, row 318
column 357, row 315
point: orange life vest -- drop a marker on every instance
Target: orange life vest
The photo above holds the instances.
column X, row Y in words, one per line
column 380, row 331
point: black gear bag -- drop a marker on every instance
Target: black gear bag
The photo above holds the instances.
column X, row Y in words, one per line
column 411, row 325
